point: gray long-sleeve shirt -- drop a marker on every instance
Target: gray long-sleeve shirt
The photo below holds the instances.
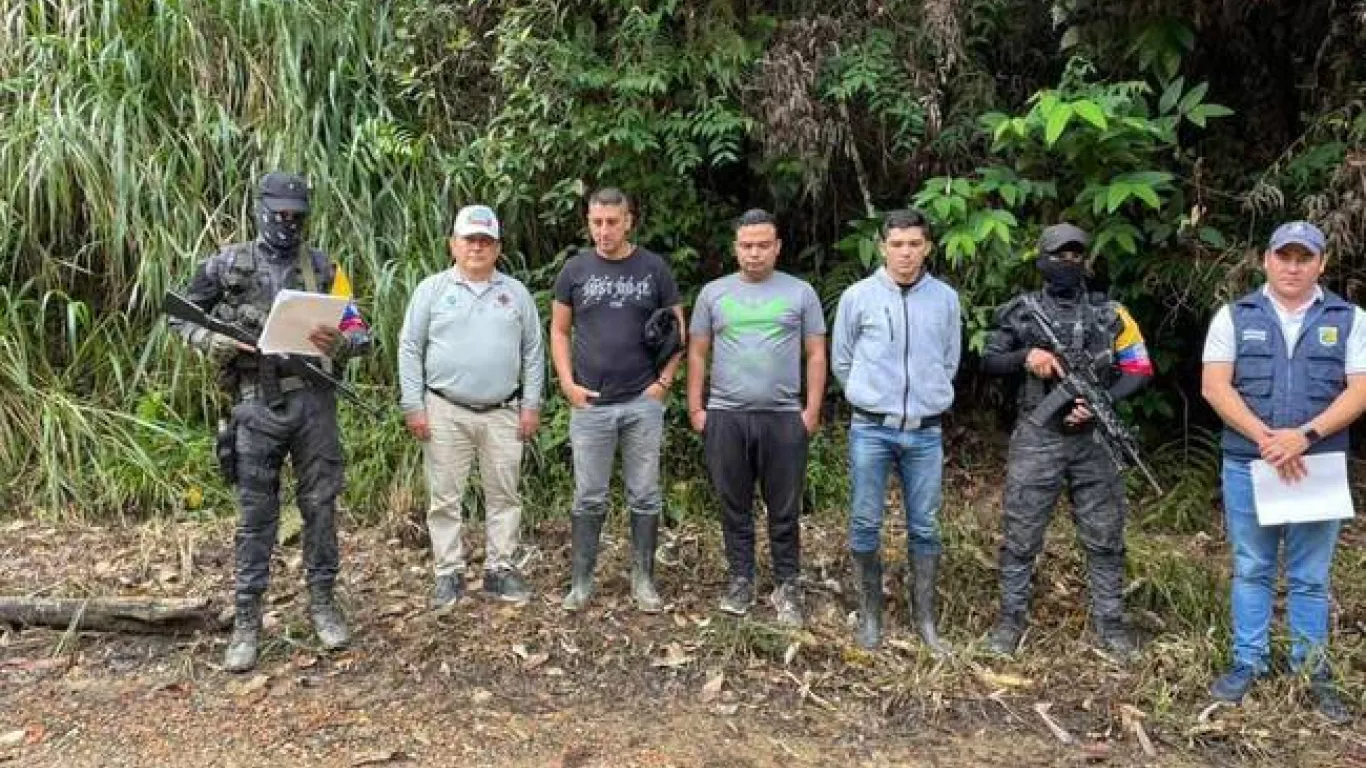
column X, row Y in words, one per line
column 473, row 347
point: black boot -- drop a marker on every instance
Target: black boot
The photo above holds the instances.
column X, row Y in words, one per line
column 644, row 538
column 868, row 579
column 245, row 644
column 584, row 533
column 1105, row 574
column 925, row 573
column 1017, row 576
column 328, row 623
column 1005, row 636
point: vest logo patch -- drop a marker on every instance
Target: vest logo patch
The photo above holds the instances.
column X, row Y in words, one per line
column 1328, row 336
column 1254, row 334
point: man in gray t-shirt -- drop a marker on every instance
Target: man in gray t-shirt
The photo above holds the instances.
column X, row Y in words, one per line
column 757, row 331
column 758, row 324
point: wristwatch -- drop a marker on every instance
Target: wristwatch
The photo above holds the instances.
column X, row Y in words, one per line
column 1310, row 434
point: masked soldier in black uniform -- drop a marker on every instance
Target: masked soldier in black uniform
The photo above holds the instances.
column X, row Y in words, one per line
column 1065, row 448
column 277, row 410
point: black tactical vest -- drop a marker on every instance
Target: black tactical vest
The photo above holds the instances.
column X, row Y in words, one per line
column 1090, row 323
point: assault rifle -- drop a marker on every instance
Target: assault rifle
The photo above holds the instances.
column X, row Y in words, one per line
column 180, row 307
column 1079, row 382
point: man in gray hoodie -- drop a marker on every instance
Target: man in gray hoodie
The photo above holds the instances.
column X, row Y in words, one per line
column 897, row 340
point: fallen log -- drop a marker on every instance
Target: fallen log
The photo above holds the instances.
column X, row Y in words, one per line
column 137, row 615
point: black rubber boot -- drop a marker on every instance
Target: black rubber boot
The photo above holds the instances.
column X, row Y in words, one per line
column 1005, row 636
column 644, row 539
column 328, row 623
column 925, row 577
column 245, row 645
column 868, row 579
column 584, row 533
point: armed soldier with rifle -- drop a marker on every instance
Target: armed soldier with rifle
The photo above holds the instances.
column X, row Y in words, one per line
column 282, row 406
column 1080, row 353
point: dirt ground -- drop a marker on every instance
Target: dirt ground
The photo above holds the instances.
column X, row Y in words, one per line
column 485, row 684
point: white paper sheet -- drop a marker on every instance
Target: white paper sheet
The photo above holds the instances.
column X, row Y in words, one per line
column 293, row 316
column 1323, row 495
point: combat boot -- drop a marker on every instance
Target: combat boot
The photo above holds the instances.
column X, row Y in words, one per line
column 925, row 577
column 1106, row 576
column 245, row 644
column 868, row 580
column 644, row 538
column 585, row 531
column 328, row 622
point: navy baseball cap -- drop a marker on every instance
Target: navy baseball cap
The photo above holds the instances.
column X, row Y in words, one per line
column 1300, row 233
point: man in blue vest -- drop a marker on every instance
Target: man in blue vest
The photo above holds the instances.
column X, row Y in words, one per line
column 1285, row 368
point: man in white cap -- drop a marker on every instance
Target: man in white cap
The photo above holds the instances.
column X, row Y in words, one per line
column 471, row 371
column 1285, row 368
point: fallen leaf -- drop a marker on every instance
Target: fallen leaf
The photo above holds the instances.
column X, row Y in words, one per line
column 674, row 656
column 1001, row 680
column 33, row 665
column 251, row 686
column 1096, row 751
column 12, row 739
column 535, row 660
column 375, row 758
column 307, row 661
column 712, row 688
column 481, row 696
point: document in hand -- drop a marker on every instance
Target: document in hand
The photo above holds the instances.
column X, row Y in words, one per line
column 293, row 316
column 1322, row 495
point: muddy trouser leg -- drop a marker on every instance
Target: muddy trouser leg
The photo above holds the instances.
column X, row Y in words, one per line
column 1097, row 493
column 1034, row 475
column 262, row 441
column 317, row 456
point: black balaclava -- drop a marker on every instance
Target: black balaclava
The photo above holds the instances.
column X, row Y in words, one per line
column 1062, row 278
column 282, row 193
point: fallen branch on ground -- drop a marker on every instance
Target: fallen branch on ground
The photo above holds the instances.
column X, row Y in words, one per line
column 138, row 615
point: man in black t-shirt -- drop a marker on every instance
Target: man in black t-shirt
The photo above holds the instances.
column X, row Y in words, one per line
column 604, row 297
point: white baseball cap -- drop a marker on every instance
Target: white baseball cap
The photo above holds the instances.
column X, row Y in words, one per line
column 477, row 220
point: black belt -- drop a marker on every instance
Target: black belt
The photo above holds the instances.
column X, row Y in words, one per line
column 924, row 422
column 479, row 408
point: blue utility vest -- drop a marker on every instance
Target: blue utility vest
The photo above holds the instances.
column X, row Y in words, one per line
column 1286, row 391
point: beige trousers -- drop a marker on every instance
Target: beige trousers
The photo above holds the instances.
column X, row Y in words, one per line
column 459, row 435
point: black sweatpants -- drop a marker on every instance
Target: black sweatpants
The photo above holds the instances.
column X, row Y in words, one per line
column 769, row 447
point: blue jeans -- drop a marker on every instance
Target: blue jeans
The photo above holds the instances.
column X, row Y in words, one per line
column 918, row 456
column 1308, row 563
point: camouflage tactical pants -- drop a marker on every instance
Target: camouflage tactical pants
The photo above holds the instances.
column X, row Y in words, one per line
column 1041, row 461
column 304, row 427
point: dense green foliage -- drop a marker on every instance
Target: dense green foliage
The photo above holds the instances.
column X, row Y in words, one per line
column 132, row 131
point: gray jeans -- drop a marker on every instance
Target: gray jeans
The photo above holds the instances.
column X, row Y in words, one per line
column 594, row 433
